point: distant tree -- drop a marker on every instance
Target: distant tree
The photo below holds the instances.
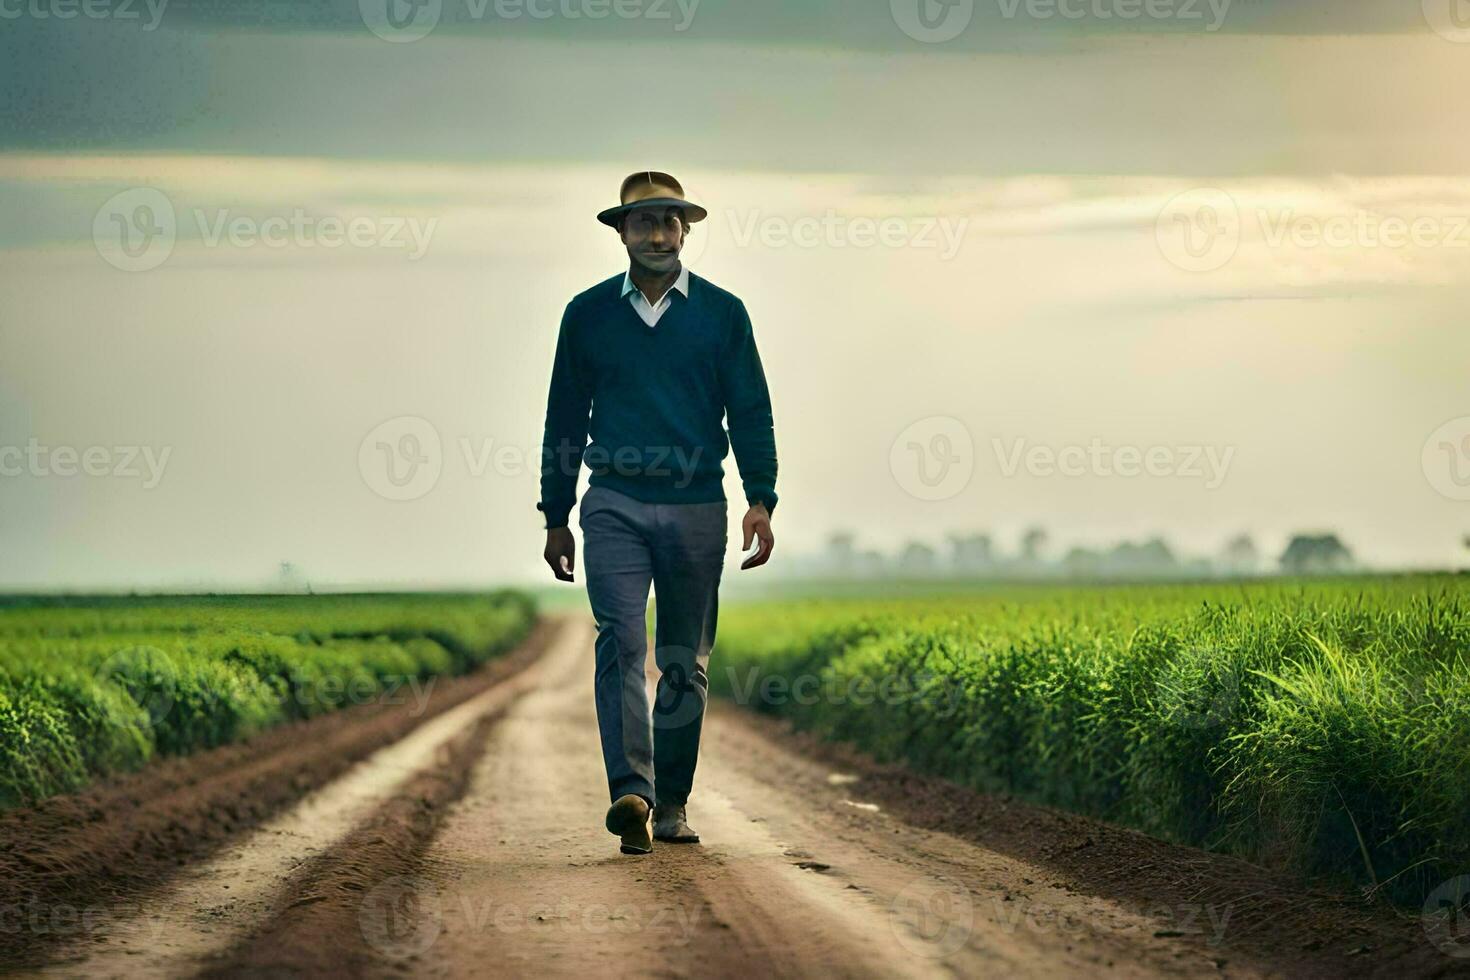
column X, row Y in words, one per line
column 1032, row 543
column 1082, row 563
column 1315, row 553
column 290, row 579
column 1156, row 551
column 1240, row 556
column 917, row 558
column 871, row 563
column 1151, row 557
column 841, row 552
column 971, row 552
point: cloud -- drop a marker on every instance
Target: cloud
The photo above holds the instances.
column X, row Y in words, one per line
column 785, row 94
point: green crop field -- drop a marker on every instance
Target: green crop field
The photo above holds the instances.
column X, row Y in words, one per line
column 96, row 685
column 1320, row 727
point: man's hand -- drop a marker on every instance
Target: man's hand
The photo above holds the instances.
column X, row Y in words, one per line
column 757, row 524
column 561, row 552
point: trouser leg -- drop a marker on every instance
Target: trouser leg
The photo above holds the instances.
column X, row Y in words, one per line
column 688, row 555
column 618, row 563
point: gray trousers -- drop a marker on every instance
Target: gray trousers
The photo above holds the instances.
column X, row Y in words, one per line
column 679, row 549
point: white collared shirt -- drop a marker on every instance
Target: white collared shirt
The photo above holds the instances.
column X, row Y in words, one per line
column 652, row 313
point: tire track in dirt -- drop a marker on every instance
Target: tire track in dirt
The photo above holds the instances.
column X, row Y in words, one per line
column 522, row 873
column 788, row 881
column 1213, row 907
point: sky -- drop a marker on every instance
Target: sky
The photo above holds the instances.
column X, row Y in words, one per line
column 280, row 282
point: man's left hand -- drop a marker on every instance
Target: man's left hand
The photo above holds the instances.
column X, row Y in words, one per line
column 757, row 524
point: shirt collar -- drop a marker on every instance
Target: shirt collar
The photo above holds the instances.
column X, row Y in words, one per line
column 681, row 283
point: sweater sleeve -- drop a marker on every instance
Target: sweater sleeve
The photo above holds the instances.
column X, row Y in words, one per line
column 568, row 405
column 748, row 411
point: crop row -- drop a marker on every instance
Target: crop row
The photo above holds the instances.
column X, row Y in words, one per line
column 1322, row 728
column 89, row 687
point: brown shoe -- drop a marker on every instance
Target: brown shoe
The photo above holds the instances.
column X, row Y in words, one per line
column 669, row 825
column 628, row 818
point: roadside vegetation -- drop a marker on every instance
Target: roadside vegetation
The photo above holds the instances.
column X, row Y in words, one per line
column 1321, row 727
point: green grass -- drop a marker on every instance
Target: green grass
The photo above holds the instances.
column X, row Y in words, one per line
column 90, row 686
column 1319, row 727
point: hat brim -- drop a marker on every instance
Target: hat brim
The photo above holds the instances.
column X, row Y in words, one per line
column 692, row 212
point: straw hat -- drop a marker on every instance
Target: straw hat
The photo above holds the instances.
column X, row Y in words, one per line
column 651, row 189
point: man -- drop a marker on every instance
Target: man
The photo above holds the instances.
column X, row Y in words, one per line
column 657, row 357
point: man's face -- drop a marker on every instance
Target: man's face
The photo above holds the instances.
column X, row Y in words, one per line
column 654, row 237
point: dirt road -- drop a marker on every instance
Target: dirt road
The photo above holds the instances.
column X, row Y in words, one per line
column 475, row 846
column 788, row 882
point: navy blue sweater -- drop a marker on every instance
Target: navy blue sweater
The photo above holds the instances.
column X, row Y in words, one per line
column 656, row 398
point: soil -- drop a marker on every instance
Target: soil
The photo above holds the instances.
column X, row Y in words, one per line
column 367, row 844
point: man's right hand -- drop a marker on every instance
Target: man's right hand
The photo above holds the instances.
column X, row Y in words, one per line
column 561, row 552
